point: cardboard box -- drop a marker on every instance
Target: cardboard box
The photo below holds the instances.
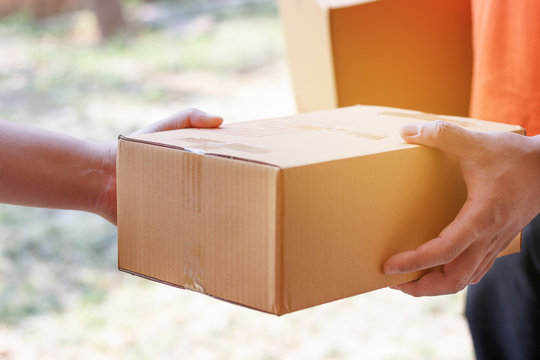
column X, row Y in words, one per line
column 413, row 54
column 283, row 214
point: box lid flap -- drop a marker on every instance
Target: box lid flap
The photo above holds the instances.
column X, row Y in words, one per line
column 309, row 138
column 343, row 3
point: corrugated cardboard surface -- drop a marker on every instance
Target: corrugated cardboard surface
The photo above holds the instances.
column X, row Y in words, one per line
column 415, row 54
column 283, row 214
column 309, row 50
column 203, row 223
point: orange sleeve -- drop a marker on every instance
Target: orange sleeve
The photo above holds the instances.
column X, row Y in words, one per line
column 506, row 71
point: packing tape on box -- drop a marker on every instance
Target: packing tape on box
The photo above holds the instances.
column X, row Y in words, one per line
column 194, row 267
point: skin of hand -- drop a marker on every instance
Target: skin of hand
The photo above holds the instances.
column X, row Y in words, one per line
column 45, row 169
column 502, row 176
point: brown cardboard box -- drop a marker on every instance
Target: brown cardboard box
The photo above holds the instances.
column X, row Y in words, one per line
column 283, row 214
column 413, row 54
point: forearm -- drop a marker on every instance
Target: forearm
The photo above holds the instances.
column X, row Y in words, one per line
column 45, row 169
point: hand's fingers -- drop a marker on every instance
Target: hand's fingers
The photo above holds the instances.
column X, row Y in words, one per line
column 435, row 252
column 483, row 270
column 449, row 281
column 189, row 118
column 441, row 135
column 488, row 257
column 452, row 241
column 184, row 119
column 499, row 243
column 454, row 277
column 461, row 272
column 200, row 119
column 425, row 286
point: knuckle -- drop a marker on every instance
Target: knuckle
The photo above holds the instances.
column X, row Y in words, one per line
column 479, row 277
column 497, row 213
column 450, row 253
column 440, row 128
column 493, row 215
column 190, row 111
column 458, row 285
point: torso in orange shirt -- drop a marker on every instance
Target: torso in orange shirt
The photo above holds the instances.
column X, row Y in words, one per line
column 506, row 78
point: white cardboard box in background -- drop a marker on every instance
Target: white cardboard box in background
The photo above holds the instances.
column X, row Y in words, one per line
column 412, row 54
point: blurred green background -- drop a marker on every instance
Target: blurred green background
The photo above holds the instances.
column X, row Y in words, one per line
column 61, row 295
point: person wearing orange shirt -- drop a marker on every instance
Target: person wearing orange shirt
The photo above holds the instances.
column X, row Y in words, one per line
column 502, row 175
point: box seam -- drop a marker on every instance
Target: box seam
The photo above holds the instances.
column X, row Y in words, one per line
column 332, row 57
column 180, row 148
column 280, row 303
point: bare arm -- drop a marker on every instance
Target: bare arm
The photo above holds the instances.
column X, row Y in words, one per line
column 45, row 169
column 502, row 175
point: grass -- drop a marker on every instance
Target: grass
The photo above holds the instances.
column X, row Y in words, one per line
column 51, row 258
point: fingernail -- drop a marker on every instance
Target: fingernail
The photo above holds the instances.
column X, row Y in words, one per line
column 409, row 130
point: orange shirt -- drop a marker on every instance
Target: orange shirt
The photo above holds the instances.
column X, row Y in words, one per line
column 506, row 72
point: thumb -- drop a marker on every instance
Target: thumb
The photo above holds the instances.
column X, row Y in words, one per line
column 184, row 119
column 441, row 135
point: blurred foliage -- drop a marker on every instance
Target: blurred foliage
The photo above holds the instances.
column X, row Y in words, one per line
column 56, row 69
column 51, row 258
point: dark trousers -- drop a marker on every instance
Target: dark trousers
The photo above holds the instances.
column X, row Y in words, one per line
column 503, row 309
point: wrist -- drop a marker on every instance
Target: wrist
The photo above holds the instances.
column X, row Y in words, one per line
column 105, row 199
